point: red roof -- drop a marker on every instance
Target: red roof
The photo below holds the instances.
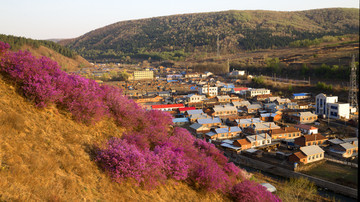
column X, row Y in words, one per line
column 167, row 106
column 240, row 89
column 186, row 108
column 306, row 127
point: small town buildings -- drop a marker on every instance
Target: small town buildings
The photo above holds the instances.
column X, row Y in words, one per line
column 292, row 105
column 262, row 127
column 149, row 99
column 267, row 117
column 241, row 104
column 257, row 91
column 259, row 139
column 338, row 110
column 321, row 101
column 307, row 129
column 300, row 96
column 282, row 101
column 307, row 140
column 224, row 110
column 271, row 99
column 208, row 90
column 223, row 133
column 223, row 98
column 244, row 144
column 197, row 128
column 180, row 121
column 237, row 73
column 192, row 98
column 307, row 154
column 345, row 149
column 168, row 107
column 253, row 108
column 304, row 117
column 243, row 123
column 285, row 133
column 210, row 122
column 239, row 90
column 143, row 75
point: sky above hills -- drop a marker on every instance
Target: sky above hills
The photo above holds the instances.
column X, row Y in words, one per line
column 48, row 19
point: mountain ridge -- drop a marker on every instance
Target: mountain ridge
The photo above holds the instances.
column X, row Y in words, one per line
column 177, row 35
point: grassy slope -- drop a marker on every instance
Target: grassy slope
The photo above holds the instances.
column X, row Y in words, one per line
column 66, row 63
column 44, row 155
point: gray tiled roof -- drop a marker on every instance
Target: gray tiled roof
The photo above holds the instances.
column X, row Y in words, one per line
column 209, row 120
column 311, row 150
column 225, row 130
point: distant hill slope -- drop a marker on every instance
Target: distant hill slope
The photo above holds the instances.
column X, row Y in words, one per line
column 237, row 30
column 66, row 58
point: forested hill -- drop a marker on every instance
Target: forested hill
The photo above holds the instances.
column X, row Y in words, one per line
column 177, row 35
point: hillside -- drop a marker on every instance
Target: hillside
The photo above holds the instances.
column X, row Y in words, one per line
column 67, row 59
column 65, row 137
column 46, row 156
column 178, row 35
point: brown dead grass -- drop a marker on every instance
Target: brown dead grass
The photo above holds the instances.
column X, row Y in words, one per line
column 45, row 156
column 65, row 63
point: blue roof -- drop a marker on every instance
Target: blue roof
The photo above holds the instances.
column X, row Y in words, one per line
column 180, row 120
column 300, row 94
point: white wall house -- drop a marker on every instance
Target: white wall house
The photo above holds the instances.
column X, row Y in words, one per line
column 257, row 91
column 339, row 110
column 330, row 107
column 212, row 90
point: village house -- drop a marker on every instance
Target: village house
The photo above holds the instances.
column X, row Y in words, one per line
column 223, row 98
column 244, row 144
column 210, row 122
column 192, row 98
column 271, row 99
column 262, row 127
column 239, row 90
column 224, row 110
column 267, row 117
column 261, row 98
column 180, row 121
column 307, row 129
column 208, row 90
column 282, row 101
column 292, row 105
column 168, row 107
column 304, row 117
column 257, row 91
column 194, row 117
column 285, row 133
column 223, row 133
column 307, row 140
column 345, row 150
column 311, row 153
column 259, row 139
column 243, row 123
column 198, row 129
column 300, row 96
column 241, row 104
column 253, row 108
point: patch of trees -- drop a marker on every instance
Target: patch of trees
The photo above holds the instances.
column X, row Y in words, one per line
column 17, row 42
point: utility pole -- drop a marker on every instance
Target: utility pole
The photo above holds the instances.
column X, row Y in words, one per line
column 217, row 46
column 353, row 85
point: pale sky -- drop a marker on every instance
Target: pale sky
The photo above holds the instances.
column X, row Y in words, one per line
column 47, row 19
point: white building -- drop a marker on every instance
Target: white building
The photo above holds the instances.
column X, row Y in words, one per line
column 338, row 110
column 237, row 73
column 211, row 90
column 330, row 107
column 192, row 98
column 257, row 91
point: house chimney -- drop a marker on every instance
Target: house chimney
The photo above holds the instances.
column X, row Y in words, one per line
column 265, row 136
column 229, row 130
column 270, row 126
column 251, row 120
column 255, row 137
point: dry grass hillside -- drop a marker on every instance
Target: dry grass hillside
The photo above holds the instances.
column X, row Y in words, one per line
column 66, row 63
column 46, row 156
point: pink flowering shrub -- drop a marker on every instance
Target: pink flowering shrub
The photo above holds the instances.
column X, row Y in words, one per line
column 249, row 191
column 149, row 152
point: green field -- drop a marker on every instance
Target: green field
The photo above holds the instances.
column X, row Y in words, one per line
column 337, row 173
